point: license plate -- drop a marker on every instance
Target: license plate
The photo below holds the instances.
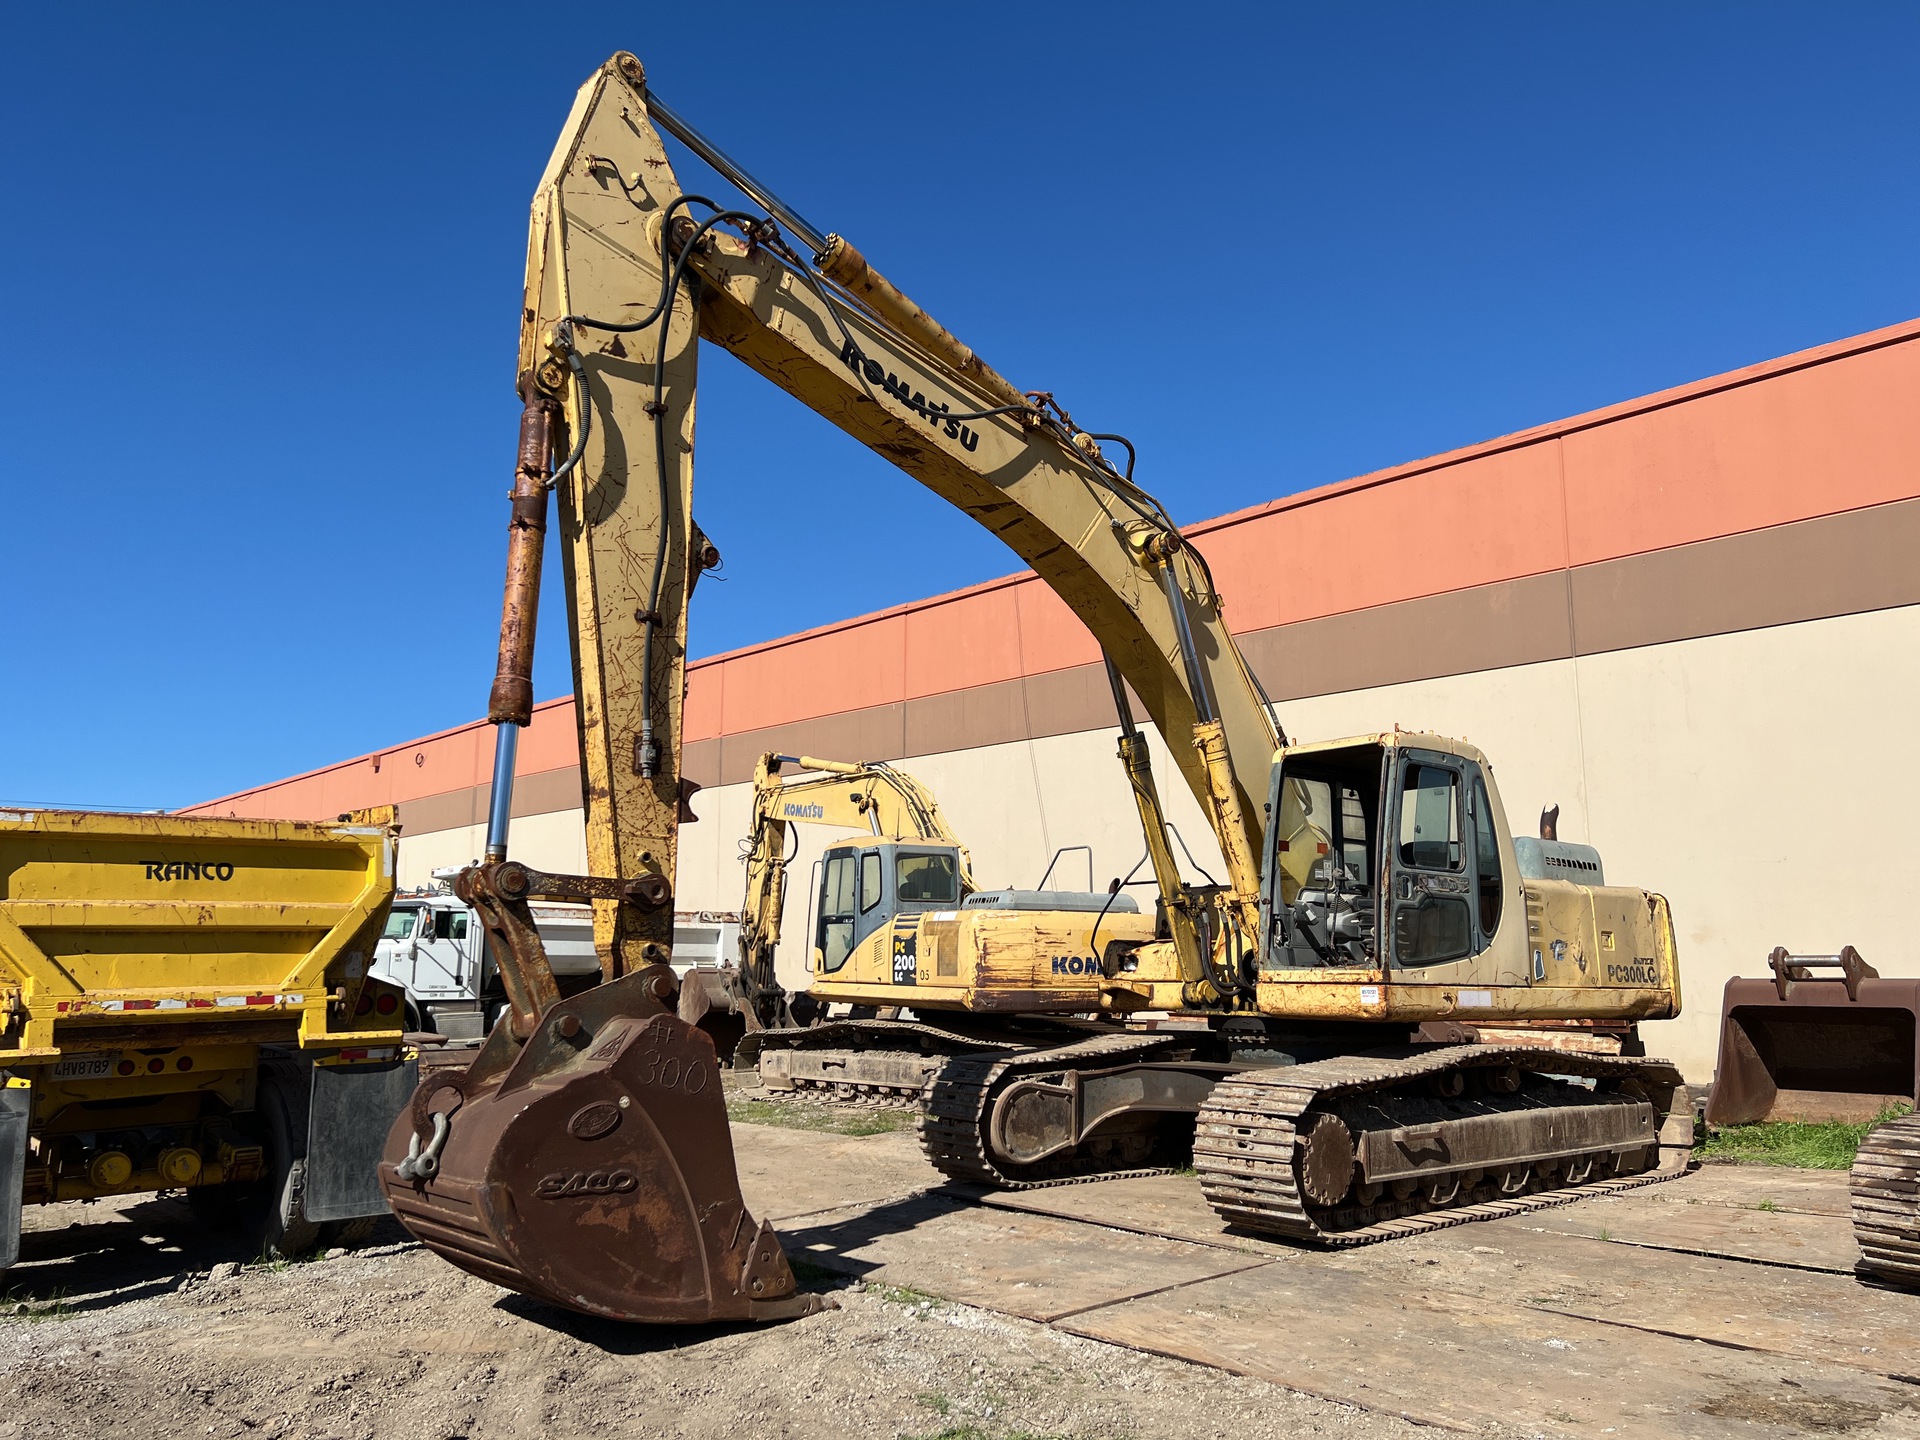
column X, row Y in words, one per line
column 87, row 1067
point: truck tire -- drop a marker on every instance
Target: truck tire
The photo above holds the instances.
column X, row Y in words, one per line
column 267, row 1213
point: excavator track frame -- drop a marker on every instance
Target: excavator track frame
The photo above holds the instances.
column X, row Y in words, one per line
column 1250, row 1144
column 897, row 1044
column 956, row 1111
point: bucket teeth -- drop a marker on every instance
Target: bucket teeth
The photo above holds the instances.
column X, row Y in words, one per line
column 594, row 1171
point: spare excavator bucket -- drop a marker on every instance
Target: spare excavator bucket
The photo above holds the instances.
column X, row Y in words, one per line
column 1812, row 1048
column 591, row 1166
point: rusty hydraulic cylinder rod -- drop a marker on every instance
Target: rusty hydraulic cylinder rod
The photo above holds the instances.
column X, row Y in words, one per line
column 511, row 704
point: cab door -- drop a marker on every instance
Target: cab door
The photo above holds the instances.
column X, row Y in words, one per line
column 838, row 910
column 1446, row 894
column 1430, row 906
column 442, row 945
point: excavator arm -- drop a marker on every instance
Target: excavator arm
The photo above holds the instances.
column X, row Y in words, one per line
column 625, row 270
column 871, row 796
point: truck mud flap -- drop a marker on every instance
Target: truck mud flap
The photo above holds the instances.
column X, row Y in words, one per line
column 353, row 1108
column 16, row 1106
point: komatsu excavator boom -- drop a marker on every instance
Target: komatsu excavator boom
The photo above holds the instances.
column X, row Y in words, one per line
column 583, row 1156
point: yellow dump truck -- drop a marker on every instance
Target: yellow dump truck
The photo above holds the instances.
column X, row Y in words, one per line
column 185, row 1005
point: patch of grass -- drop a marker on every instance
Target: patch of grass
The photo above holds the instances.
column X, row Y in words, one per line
column 22, row 1306
column 900, row 1294
column 826, row 1119
column 935, row 1402
column 1605, row 1233
column 1768, row 1205
column 273, row 1264
column 1826, row 1146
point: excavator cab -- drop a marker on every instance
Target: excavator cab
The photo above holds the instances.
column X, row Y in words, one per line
column 1386, row 855
column 1391, row 871
column 865, row 884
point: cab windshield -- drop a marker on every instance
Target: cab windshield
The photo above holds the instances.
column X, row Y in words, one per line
column 399, row 925
column 928, row 880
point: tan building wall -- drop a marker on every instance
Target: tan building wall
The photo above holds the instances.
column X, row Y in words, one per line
column 1685, row 620
column 1745, row 776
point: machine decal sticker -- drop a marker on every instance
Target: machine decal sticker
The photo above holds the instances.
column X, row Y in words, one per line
column 935, row 412
column 906, row 945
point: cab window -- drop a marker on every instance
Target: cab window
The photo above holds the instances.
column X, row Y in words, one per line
column 449, row 924
column 1486, row 859
column 399, row 924
column 870, row 887
column 1430, row 818
column 1432, row 916
column 927, row 880
column 835, row 936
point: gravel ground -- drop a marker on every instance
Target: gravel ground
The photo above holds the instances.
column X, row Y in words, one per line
column 130, row 1320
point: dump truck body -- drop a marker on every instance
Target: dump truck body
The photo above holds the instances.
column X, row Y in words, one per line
column 186, row 1003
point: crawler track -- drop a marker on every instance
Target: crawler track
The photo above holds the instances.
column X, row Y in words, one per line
column 1248, row 1151
column 1886, row 1201
column 866, row 1062
column 955, row 1107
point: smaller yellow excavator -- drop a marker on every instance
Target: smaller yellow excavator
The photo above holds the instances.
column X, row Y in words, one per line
column 898, row 922
column 932, row 870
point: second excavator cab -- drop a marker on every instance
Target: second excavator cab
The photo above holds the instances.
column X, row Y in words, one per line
column 865, row 885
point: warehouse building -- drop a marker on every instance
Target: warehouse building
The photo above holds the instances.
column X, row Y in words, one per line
column 1689, row 621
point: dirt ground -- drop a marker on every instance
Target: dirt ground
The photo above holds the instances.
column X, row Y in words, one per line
column 1720, row 1306
column 141, row 1325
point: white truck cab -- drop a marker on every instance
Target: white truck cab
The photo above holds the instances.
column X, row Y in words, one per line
column 434, row 949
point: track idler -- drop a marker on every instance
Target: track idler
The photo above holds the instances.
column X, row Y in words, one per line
column 591, row 1167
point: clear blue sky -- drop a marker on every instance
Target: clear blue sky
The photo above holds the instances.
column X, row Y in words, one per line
column 263, row 265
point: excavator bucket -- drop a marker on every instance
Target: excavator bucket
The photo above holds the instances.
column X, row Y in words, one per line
column 1801, row 1046
column 591, row 1166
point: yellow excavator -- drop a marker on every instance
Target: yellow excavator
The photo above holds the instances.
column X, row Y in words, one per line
column 899, row 923
column 894, row 807
column 1375, row 904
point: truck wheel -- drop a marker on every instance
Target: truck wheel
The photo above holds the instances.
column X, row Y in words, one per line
column 267, row 1213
